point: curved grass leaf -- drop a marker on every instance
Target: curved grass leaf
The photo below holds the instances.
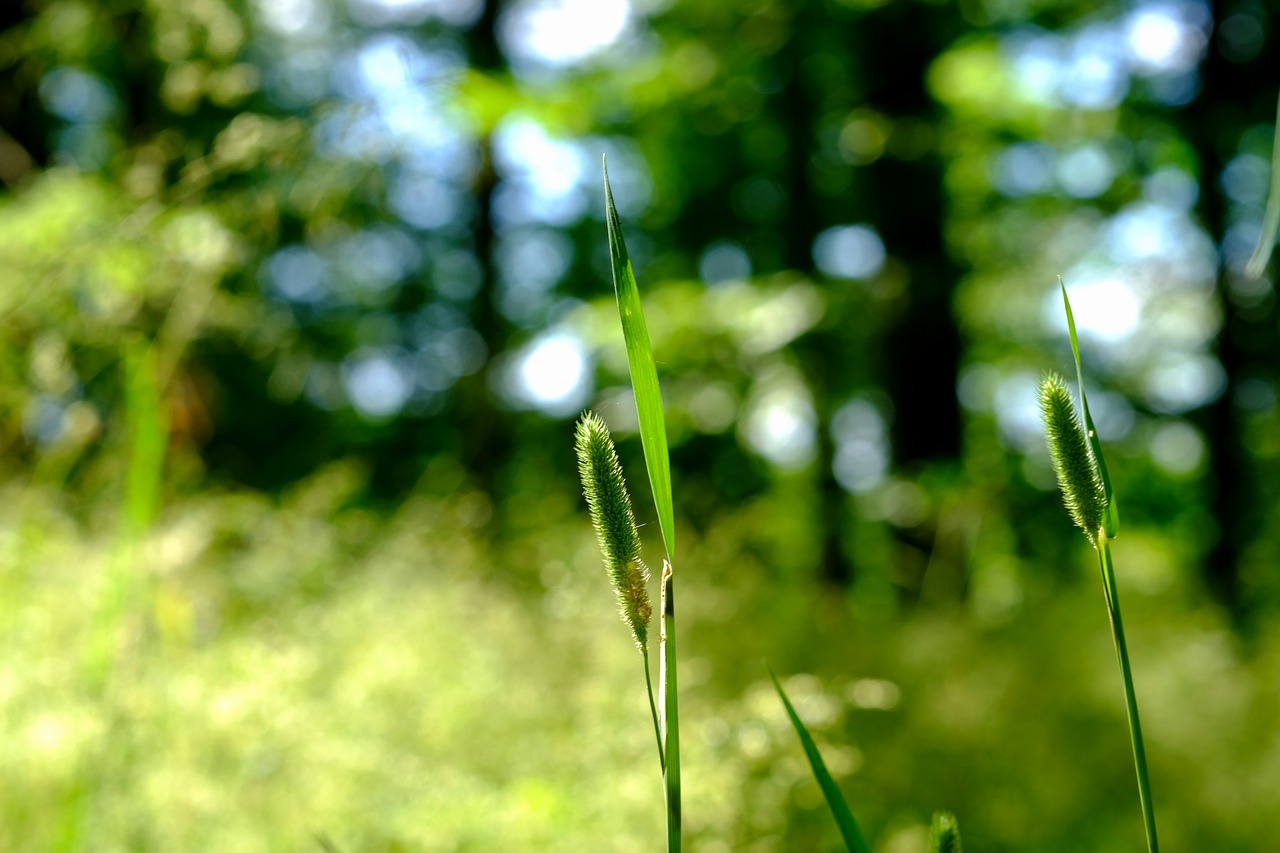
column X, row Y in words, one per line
column 853, row 837
column 1110, row 516
column 1271, row 219
column 644, row 374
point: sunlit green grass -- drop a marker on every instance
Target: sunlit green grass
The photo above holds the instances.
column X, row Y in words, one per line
column 312, row 669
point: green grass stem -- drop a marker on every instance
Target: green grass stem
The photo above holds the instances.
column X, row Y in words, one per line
column 1112, row 596
column 1068, row 444
column 670, row 709
column 653, row 709
column 653, row 436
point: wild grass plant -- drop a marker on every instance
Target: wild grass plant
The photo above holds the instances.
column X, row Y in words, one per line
column 612, row 516
column 1086, row 491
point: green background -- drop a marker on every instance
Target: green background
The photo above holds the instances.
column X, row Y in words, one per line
column 299, row 300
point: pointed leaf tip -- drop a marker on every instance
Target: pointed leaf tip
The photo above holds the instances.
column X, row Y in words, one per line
column 644, row 374
column 854, row 840
column 1110, row 515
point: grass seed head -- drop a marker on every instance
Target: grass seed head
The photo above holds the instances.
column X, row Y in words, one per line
column 1078, row 475
column 944, row 835
column 615, row 523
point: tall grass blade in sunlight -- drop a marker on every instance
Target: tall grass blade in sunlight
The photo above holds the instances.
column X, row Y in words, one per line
column 653, row 435
column 849, row 829
column 605, row 489
column 1086, row 491
column 644, row 374
column 1271, row 219
column 944, row 834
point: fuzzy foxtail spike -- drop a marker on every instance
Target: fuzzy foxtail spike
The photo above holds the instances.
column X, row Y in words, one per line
column 615, row 523
column 1078, row 475
column 944, row 835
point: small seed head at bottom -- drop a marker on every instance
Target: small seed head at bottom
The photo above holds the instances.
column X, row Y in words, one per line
column 944, row 835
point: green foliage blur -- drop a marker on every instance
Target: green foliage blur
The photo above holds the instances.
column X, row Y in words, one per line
column 299, row 300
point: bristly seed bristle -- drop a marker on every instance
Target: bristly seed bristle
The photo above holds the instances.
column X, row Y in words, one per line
column 605, row 489
column 1078, row 476
column 944, row 835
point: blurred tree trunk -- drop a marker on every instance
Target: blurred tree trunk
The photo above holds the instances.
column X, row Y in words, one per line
column 1233, row 98
column 24, row 125
column 484, row 428
column 826, row 353
column 922, row 351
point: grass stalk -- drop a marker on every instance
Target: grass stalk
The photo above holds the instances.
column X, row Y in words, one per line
column 1087, row 493
column 670, row 708
column 1112, row 595
column 653, row 438
column 653, row 708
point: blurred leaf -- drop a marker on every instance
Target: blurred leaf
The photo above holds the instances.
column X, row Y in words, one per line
column 149, row 438
column 853, row 837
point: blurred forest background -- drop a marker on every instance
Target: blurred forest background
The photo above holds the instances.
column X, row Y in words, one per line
column 299, row 298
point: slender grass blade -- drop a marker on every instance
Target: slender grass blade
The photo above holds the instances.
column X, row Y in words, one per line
column 1270, row 219
column 853, row 837
column 644, row 374
column 1110, row 516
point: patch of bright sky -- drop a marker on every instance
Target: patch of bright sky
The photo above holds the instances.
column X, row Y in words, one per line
column 781, row 427
column 381, row 13
column 1016, row 403
column 424, row 201
column 1086, row 171
column 1178, row 448
column 1171, row 188
column 377, row 259
column 1112, row 414
column 1094, row 75
column 1238, row 245
column 294, row 18
column 530, row 261
column 1246, row 178
column 779, row 423
column 1142, row 231
column 561, row 33
column 1167, row 37
column 378, row 382
column 45, row 419
column 1024, row 168
column 1180, row 382
column 629, row 175
column 445, row 355
column 722, row 261
column 849, row 251
column 74, row 95
column 298, row 274
column 862, row 456
column 1091, row 67
column 1106, row 307
column 552, row 374
column 542, row 176
column 300, row 77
